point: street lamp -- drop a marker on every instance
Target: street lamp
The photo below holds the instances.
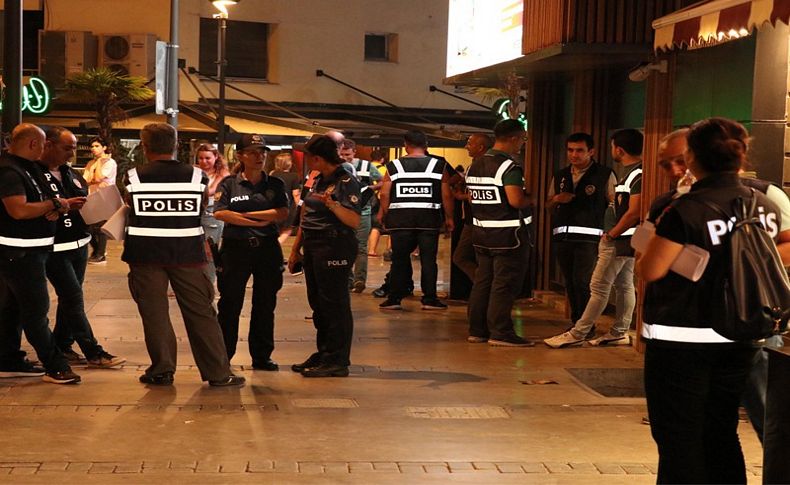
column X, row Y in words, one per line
column 222, row 17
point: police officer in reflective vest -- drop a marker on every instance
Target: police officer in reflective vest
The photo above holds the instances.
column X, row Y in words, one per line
column 578, row 197
column 69, row 258
column 329, row 220
column 495, row 183
column 416, row 203
column 27, row 233
column 165, row 244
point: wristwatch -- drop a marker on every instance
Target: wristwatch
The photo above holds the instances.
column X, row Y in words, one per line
column 56, row 205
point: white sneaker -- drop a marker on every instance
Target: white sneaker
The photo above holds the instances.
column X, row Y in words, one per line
column 609, row 339
column 563, row 340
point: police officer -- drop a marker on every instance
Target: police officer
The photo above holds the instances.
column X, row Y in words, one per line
column 694, row 377
column 579, row 195
column 27, row 234
column 370, row 182
column 165, row 244
column 250, row 204
column 69, row 258
column 496, row 187
column 330, row 218
column 416, row 203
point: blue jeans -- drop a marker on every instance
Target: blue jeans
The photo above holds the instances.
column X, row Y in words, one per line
column 361, row 263
column 610, row 269
column 24, row 303
column 66, row 272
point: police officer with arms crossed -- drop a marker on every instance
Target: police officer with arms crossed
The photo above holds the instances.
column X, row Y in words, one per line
column 694, row 377
column 330, row 217
column 414, row 197
column 27, row 234
column 69, row 258
column 165, row 244
column 496, row 185
column 578, row 197
column 250, row 204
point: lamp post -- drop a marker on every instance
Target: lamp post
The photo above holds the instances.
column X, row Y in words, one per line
column 222, row 17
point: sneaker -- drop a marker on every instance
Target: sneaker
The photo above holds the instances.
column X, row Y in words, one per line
column 433, row 304
column 589, row 335
column 105, row 360
column 164, row 379
column 510, row 341
column 565, row 339
column 231, row 380
column 359, row 286
column 73, row 357
column 97, row 260
column 472, row 339
column 62, row 377
column 609, row 339
column 390, row 304
column 380, row 292
column 312, row 361
column 326, row 370
column 21, row 368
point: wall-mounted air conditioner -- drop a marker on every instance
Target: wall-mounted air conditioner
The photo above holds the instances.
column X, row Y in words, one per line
column 62, row 54
column 131, row 54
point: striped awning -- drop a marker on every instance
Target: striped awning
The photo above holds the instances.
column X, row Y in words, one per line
column 711, row 22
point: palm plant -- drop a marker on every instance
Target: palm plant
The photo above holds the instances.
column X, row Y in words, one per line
column 107, row 90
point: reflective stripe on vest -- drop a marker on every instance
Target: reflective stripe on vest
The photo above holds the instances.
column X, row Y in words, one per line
column 626, row 187
column 415, row 205
column 67, row 246
column 629, row 232
column 159, row 232
column 682, row 334
column 477, row 222
column 26, row 243
column 427, row 173
column 194, row 186
column 364, row 169
column 591, row 231
column 495, row 180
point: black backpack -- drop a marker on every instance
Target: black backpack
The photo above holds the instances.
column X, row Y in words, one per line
column 754, row 301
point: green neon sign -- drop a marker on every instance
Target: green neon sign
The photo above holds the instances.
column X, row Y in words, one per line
column 500, row 107
column 36, row 98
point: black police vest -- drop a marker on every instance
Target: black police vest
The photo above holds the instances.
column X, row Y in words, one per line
column 363, row 175
column 26, row 234
column 758, row 184
column 496, row 223
column 72, row 232
column 581, row 219
column 164, row 221
column 416, row 194
column 622, row 196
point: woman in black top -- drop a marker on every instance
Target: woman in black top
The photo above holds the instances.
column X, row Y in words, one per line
column 694, row 376
column 293, row 187
column 330, row 216
column 250, row 204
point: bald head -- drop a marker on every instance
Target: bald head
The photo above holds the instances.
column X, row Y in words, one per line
column 671, row 150
column 59, row 148
column 477, row 144
column 27, row 141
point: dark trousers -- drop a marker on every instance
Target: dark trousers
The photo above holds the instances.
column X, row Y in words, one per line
column 98, row 240
column 497, row 284
column 577, row 262
column 692, row 400
column 66, row 272
column 239, row 261
column 195, row 296
column 464, row 255
column 24, row 303
column 327, row 264
column 404, row 241
column 756, row 386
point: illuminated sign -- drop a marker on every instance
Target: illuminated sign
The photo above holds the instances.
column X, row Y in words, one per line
column 481, row 33
column 501, row 109
column 35, row 97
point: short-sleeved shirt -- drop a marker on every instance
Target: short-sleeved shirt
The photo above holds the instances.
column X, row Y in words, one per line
column 344, row 189
column 238, row 194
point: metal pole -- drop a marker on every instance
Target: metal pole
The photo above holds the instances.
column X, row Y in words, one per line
column 12, row 70
column 172, row 68
column 223, row 27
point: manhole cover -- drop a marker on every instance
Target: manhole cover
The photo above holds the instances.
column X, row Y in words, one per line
column 612, row 382
column 461, row 412
column 334, row 403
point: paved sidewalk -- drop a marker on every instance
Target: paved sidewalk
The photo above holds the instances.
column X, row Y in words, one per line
column 421, row 406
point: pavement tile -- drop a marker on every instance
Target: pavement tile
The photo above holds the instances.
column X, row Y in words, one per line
column 485, row 465
column 129, row 467
column 261, row 466
column 234, row 467
column 183, row 466
column 534, row 467
column 653, row 467
column 5, row 471
column 311, row 467
column 411, row 468
column 207, row 467
column 53, row 466
column 103, row 468
column 286, row 466
column 609, row 468
column 635, row 469
column 386, row 466
column 336, row 467
column 509, row 468
column 79, row 466
column 461, row 467
column 360, row 467
column 557, row 467
column 436, row 468
column 155, row 465
column 583, row 468
column 14, row 464
column 24, row 470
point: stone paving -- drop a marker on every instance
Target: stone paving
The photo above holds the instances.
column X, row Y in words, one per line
column 421, row 406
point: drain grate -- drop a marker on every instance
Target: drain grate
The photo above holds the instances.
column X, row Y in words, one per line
column 330, row 403
column 459, row 412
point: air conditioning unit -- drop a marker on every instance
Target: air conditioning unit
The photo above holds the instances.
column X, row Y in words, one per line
column 62, row 54
column 130, row 54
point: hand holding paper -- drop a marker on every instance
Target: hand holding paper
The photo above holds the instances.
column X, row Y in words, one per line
column 101, row 205
column 690, row 263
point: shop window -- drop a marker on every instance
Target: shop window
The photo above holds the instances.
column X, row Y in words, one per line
column 247, row 52
column 381, row 47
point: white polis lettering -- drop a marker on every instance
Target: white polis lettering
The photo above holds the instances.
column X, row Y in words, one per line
column 239, row 198
column 415, row 189
column 482, row 195
column 160, row 205
column 719, row 227
column 337, row 262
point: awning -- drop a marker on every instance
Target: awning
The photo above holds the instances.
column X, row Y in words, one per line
column 711, row 22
